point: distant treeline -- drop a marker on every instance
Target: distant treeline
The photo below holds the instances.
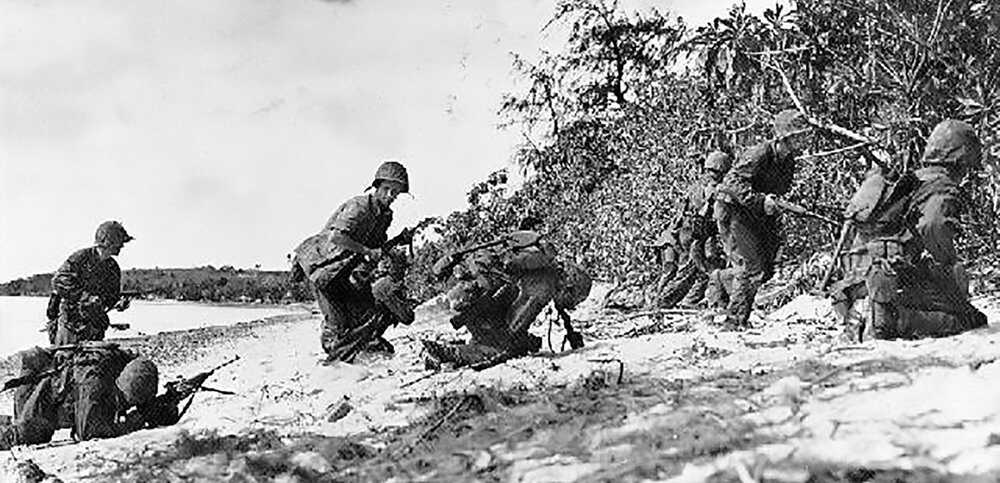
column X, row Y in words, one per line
column 225, row 284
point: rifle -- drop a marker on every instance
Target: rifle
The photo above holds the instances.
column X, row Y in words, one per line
column 799, row 210
column 845, row 233
column 515, row 240
column 177, row 391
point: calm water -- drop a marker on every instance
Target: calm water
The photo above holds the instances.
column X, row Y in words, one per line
column 21, row 318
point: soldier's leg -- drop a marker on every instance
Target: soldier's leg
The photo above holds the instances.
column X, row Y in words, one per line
column 934, row 304
column 678, row 287
column 752, row 260
column 696, row 294
column 535, row 290
column 68, row 325
column 720, row 283
column 95, row 401
column 882, row 285
column 38, row 416
column 462, row 354
column 387, row 295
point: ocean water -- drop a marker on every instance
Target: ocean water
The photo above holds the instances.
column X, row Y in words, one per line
column 22, row 318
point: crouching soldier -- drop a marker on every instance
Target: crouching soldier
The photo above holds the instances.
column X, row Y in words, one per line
column 500, row 289
column 904, row 258
column 356, row 310
column 95, row 388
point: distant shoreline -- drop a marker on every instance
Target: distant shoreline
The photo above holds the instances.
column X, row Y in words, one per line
column 208, row 303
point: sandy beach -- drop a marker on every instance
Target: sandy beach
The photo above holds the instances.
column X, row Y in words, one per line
column 686, row 402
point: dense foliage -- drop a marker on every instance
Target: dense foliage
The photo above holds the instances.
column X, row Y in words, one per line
column 225, row 284
column 616, row 124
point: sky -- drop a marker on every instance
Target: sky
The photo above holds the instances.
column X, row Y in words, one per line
column 224, row 132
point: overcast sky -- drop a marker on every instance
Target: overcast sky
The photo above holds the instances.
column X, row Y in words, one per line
column 224, row 132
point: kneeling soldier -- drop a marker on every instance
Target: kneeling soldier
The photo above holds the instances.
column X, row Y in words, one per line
column 499, row 293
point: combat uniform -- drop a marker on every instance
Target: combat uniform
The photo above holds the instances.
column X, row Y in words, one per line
column 904, row 252
column 704, row 255
column 750, row 236
column 499, row 293
column 87, row 287
column 346, row 300
column 88, row 389
column 356, row 309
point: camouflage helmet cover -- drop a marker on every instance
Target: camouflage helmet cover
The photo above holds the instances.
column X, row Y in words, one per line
column 111, row 233
column 392, row 171
column 138, row 381
column 789, row 121
column 953, row 142
column 718, row 161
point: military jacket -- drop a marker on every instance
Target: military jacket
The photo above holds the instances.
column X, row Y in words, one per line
column 360, row 219
column 758, row 171
column 84, row 273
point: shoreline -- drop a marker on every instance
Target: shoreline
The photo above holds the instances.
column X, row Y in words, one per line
column 174, row 348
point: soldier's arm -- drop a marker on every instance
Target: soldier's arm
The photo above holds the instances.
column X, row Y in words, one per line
column 112, row 292
column 346, row 224
column 66, row 281
column 737, row 183
column 938, row 227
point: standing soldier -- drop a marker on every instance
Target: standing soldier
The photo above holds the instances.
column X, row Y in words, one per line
column 703, row 251
column 905, row 246
column 87, row 286
column 355, row 311
column 747, row 215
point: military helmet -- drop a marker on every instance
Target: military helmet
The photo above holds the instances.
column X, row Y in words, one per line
column 392, row 171
column 951, row 143
column 138, row 381
column 719, row 161
column 111, row 233
column 789, row 121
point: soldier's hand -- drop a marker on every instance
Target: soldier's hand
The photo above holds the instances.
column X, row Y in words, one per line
column 123, row 304
column 770, row 204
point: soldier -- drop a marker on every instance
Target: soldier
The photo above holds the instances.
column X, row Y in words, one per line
column 356, row 311
column 703, row 250
column 747, row 215
column 94, row 388
column 905, row 257
column 499, row 293
column 86, row 287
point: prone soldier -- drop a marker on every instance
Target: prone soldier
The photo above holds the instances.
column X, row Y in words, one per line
column 94, row 388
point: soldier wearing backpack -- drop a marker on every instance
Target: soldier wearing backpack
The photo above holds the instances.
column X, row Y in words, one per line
column 498, row 292
column 904, row 257
column 94, row 388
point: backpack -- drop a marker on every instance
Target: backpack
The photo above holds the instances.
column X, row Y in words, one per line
column 881, row 204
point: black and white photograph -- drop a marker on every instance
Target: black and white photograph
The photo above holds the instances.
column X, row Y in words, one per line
column 681, row 241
